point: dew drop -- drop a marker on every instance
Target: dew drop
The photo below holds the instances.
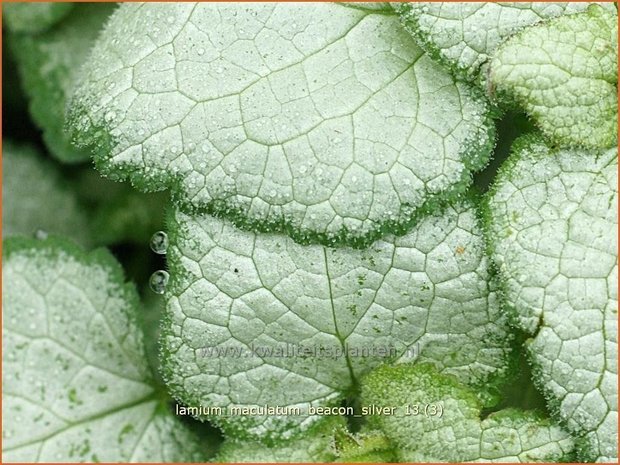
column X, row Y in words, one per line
column 158, row 281
column 159, row 242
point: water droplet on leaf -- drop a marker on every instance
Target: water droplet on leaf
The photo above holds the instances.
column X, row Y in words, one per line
column 159, row 242
column 158, row 281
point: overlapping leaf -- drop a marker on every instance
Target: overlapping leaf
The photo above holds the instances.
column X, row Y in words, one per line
column 35, row 197
column 48, row 65
column 552, row 220
column 436, row 419
column 465, row 35
column 76, row 383
column 564, row 73
column 327, row 123
column 256, row 319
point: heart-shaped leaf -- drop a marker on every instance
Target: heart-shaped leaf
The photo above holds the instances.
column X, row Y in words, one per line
column 258, row 320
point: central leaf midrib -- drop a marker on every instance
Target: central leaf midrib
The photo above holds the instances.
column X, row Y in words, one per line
column 337, row 333
column 148, row 398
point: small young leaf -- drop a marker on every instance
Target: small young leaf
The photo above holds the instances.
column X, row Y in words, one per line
column 31, row 17
column 315, row 446
column 365, row 446
column 437, row 419
column 257, row 319
column 327, row 123
column 564, row 73
column 552, row 225
column 464, row 35
column 35, row 197
column 76, row 383
column 48, row 65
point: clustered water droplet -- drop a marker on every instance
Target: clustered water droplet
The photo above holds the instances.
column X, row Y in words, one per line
column 159, row 242
column 158, row 281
